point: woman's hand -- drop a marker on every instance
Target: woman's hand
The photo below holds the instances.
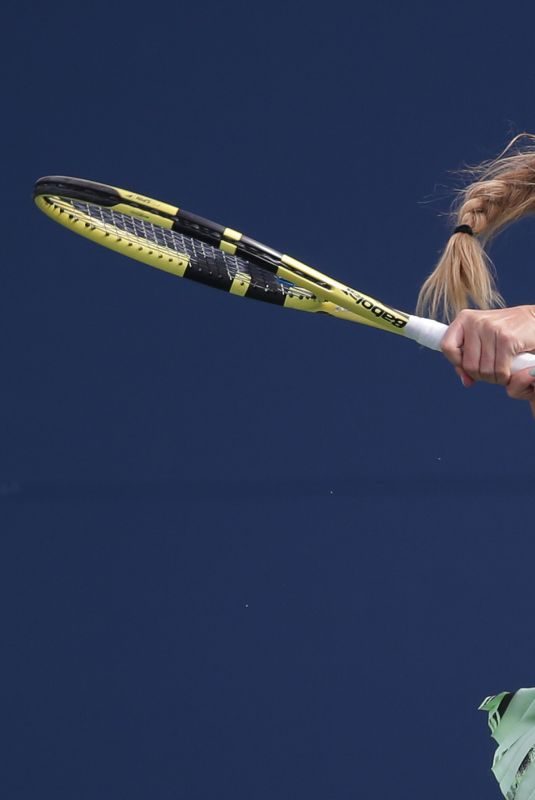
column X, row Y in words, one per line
column 482, row 344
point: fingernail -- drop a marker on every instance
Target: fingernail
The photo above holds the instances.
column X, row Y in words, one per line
column 532, row 372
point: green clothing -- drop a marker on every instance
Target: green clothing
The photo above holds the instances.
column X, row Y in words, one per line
column 512, row 725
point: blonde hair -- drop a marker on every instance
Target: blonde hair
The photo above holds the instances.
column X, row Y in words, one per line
column 500, row 192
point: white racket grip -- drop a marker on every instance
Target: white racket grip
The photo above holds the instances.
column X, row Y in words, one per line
column 429, row 333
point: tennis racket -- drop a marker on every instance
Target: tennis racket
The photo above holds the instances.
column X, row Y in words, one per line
column 189, row 246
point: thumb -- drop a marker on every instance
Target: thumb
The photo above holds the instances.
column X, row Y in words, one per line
column 522, row 385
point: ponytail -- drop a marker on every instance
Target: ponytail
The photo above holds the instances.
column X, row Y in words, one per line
column 501, row 191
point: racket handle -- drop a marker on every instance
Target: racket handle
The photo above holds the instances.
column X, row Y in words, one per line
column 429, row 333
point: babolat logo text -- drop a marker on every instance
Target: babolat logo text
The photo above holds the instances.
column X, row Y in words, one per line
column 378, row 311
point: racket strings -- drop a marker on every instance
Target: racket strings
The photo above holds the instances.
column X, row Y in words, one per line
column 207, row 263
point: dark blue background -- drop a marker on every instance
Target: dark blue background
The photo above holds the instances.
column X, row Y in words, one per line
column 247, row 553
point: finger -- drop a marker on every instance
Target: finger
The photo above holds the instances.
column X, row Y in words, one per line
column 504, row 357
column 487, row 359
column 452, row 343
column 466, row 380
column 522, row 385
column 471, row 356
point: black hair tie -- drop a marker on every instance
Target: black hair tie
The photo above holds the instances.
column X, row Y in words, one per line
column 464, row 229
